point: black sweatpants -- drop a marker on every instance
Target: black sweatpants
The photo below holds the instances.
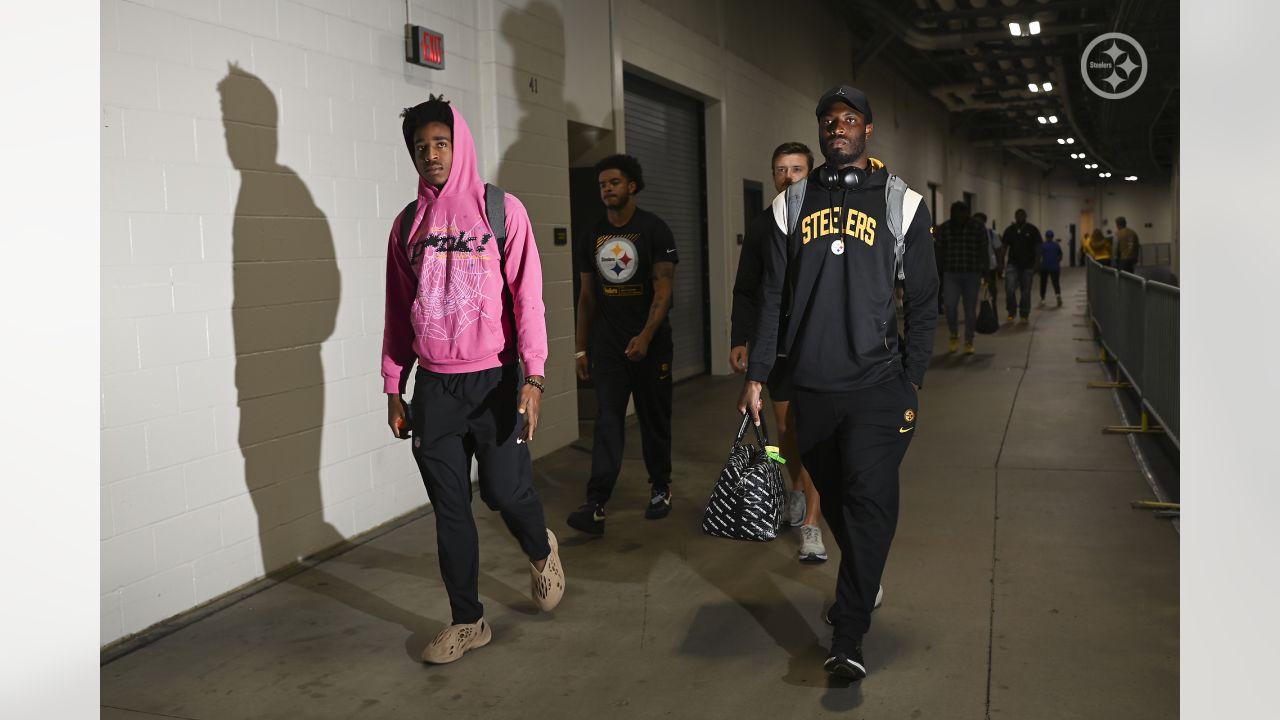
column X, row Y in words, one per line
column 457, row 417
column 618, row 379
column 1045, row 276
column 852, row 444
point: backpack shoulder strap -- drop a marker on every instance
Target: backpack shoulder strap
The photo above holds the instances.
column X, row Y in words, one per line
column 495, row 210
column 406, row 225
column 901, row 204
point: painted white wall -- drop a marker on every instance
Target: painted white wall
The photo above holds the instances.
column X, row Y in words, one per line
column 187, row 513
column 220, row 460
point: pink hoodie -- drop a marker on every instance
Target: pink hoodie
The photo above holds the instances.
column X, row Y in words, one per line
column 445, row 305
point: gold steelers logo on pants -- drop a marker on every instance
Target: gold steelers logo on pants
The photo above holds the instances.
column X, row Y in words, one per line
column 909, row 415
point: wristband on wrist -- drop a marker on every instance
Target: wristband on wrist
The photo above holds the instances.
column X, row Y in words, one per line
column 580, row 354
column 535, row 383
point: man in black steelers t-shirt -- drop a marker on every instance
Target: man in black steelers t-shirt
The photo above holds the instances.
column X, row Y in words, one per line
column 626, row 263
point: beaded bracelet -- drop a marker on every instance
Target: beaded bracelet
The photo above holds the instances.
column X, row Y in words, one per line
column 535, row 383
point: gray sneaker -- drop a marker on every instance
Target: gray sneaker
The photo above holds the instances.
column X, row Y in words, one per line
column 811, row 548
column 796, row 508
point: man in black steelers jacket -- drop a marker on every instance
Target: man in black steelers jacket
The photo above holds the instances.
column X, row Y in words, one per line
column 829, row 285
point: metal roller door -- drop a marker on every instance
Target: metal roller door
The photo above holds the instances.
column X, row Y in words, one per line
column 664, row 132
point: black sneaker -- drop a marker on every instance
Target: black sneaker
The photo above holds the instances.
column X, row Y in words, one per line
column 588, row 518
column 659, row 503
column 846, row 664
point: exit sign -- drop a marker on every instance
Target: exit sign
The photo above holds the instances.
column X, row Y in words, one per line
column 424, row 47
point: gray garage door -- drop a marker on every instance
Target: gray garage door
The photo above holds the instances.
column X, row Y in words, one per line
column 664, row 131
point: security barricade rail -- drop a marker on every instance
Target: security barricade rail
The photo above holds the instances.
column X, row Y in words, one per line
column 1136, row 321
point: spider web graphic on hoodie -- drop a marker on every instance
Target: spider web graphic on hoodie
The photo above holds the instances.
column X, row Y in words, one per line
column 451, row 285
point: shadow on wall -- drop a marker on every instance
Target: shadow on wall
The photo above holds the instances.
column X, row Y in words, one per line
column 532, row 168
column 287, row 287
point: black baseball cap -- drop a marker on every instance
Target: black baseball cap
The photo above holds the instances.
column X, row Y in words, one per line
column 849, row 95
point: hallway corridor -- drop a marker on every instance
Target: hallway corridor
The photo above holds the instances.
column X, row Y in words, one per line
column 1020, row 585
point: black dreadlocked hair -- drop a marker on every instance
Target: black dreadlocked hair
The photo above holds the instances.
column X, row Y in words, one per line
column 435, row 109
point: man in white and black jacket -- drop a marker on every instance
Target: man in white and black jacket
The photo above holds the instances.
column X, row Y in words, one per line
column 829, row 287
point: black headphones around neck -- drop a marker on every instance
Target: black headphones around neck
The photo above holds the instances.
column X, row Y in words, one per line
column 833, row 178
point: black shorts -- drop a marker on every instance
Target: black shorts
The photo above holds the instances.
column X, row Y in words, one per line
column 781, row 389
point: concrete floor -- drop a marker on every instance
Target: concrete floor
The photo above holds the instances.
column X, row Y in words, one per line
column 1020, row 585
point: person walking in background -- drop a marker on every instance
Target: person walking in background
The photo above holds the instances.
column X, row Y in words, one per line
column 1022, row 241
column 627, row 264
column 1127, row 247
column 856, row 401
column 1050, row 266
column 791, row 162
column 1098, row 248
column 448, row 273
column 992, row 275
column 965, row 253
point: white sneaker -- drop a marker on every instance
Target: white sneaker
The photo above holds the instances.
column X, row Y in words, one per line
column 811, row 548
column 796, row 508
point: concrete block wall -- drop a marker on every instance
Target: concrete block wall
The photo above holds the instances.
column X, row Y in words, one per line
column 252, row 163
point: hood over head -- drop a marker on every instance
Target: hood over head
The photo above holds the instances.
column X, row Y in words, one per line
column 464, row 176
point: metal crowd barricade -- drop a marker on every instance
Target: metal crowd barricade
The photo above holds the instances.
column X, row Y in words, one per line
column 1136, row 322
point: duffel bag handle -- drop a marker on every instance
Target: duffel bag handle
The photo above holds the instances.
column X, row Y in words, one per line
column 762, row 433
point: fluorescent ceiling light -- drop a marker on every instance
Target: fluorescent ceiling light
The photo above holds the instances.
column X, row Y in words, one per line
column 1032, row 87
column 1053, row 118
column 1061, row 141
column 1042, row 120
column 1015, row 29
column 1034, row 27
column 1047, row 86
column 1071, row 141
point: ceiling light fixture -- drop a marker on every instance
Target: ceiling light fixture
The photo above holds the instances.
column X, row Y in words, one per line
column 1053, row 119
column 1042, row 120
column 1061, row 141
column 1034, row 27
column 1071, row 141
column 1033, row 87
column 1015, row 29
column 1046, row 86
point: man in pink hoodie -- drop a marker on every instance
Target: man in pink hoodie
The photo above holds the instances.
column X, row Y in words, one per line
column 467, row 307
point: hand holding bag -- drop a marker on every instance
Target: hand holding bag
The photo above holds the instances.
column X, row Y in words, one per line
column 747, row 500
column 987, row 321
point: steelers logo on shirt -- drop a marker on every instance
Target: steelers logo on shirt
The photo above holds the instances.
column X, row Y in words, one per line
column 617, row 259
